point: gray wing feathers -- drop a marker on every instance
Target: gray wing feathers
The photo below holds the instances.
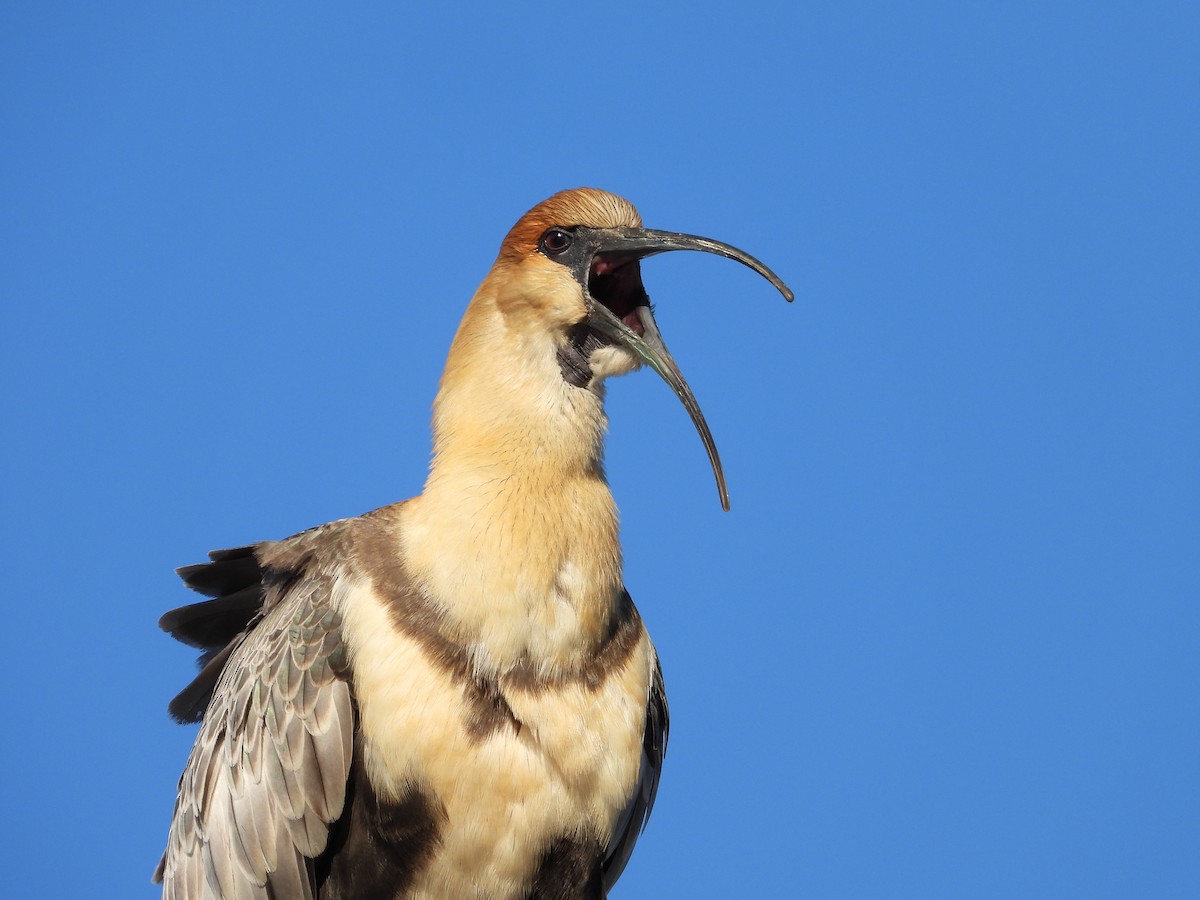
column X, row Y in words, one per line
column 268, row 772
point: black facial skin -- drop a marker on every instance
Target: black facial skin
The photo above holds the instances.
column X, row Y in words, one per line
column 577, row 248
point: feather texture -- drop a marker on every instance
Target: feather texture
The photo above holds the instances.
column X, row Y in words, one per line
column 267, row 775
column 275, row 800
column 637, row 814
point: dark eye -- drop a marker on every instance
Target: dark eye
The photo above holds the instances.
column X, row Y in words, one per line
column 555, row 241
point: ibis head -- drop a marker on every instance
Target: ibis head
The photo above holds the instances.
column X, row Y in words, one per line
column 573, row 263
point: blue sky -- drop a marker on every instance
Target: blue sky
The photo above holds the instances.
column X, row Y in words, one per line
column 944, row 644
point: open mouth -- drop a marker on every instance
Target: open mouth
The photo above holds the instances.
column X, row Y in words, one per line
column 615, row 282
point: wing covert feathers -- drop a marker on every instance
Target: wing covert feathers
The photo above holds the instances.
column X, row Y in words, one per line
column 268, row 771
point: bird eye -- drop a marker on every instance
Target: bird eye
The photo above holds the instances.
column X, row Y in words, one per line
column 555, row 241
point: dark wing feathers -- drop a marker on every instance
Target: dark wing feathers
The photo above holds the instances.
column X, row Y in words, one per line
column 235, row 580
column 188, row 705
column 228, row 571
column 268, row 771
column 215, row 622
column 654, row 748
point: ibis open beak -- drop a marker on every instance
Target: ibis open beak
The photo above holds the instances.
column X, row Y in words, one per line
column 620, row 310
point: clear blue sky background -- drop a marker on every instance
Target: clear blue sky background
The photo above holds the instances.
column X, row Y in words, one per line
column 945, row 644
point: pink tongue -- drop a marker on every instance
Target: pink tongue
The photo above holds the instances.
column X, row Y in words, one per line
column 634, row 323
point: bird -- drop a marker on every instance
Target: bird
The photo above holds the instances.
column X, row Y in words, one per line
column 452, row 696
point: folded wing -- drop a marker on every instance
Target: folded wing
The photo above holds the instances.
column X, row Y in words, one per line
column 267, row 774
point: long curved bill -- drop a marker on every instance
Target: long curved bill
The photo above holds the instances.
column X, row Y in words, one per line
column 637, row 243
